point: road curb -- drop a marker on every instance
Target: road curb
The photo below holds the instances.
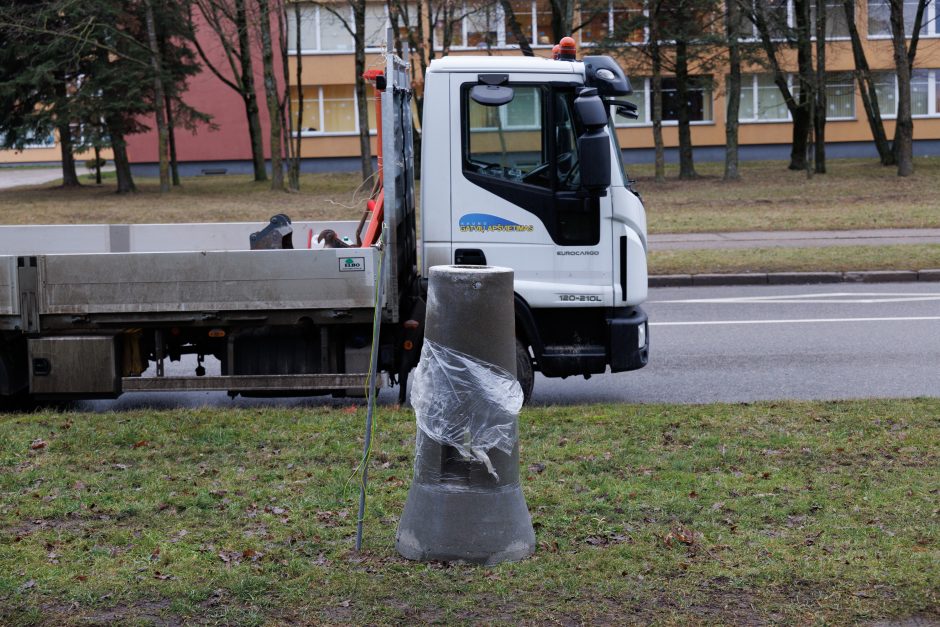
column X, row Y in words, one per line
column 793, row 278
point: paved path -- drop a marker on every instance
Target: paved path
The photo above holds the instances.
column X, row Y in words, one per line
column 16, row 177
column 793, row 239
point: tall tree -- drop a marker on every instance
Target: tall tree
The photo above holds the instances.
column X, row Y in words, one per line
column 352, row 15
column 904, row 55
column 227, row 22
column 272, row 96
column 37, row 70
column 867, row 89
column 820, row 106
column 770, row 21
column 163, row 138
column 732, row 89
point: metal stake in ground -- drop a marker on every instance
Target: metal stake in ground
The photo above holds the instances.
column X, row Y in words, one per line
column 370, row 412
column 465, row 502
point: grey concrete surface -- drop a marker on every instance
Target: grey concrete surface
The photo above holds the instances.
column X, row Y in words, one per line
column 792, row 239
column 18, row 177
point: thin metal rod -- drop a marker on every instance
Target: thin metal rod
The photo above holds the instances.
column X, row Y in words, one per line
column 373, row 367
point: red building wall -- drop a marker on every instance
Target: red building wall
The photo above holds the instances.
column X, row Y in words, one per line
column 226, row 137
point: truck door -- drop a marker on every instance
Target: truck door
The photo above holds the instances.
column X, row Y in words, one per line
column 517, row 199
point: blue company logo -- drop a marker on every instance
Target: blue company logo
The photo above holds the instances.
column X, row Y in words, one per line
column 487, row 223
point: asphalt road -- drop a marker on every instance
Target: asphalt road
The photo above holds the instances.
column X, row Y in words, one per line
column 736, row 344
column 778, row 342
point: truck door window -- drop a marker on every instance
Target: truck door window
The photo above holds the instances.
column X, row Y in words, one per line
column 526, row 152
column 505, row 142
column 566, row 145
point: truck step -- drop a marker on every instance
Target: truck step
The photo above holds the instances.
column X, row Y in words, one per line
column 249, row 383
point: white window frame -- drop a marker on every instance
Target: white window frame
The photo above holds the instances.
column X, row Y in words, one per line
column 317, row 50
column 788, row 118
column 322, row 116
column 854, row 85
column 499, row 17
column 931, row 21
column 610, row 29
column 648, row 106
column 933, row 78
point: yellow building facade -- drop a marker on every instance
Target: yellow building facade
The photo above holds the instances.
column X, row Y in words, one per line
column 328, row 70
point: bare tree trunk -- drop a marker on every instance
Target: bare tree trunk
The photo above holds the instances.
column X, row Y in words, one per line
column 122, row 166
column 686, row 160
column 249, row 96
column 866, row 88
column 294, row 167
column 270, row 91
column 797, row 108
column 911, row 54
column 171, row 132
column 821, row 105
column 732, row 91
column 656, row 86
column 904, row 133
column 159, row 99
column 97, row 165
column 562, row 18
column 66, row 143
column 516, row 29
column 362, row 98
column 803, row 121
column 69, row 175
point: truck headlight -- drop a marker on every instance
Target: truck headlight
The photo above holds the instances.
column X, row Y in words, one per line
column 641, row 335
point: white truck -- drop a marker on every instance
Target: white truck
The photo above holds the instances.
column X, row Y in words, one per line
column 520, row 168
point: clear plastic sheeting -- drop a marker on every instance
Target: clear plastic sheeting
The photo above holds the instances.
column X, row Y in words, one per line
column 463, row 402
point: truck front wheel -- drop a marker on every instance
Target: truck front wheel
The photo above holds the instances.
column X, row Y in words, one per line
column 524, row 372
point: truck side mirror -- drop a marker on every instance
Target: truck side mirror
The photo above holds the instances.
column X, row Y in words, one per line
column 491, row 95
column 594, row 151
column 594, row 142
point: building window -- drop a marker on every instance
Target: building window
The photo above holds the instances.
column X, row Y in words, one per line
column 700, row 99
column 837, row 25
column 483, row 27
column 840, row 96
column 777, row 13
column 30, row 140
column 879, row 18
column 925, row 93
column 886, row 90
column 761, row 100
column 330, row 109
column 323, row 30
column 618, row 20
column 639, row 97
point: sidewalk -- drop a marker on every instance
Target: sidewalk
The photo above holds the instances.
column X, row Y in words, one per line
column 16, row 177
column 793, row 239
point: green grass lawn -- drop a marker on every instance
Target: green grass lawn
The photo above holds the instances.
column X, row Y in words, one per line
column 833, row 258
column 855, row 194
column 806, row 513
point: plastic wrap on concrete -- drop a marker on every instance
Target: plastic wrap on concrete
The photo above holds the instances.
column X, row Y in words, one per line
column 466, row 403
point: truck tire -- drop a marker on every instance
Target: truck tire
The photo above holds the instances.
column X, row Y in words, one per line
column 524, row 372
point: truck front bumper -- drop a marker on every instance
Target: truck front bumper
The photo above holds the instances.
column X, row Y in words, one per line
column 628, row 339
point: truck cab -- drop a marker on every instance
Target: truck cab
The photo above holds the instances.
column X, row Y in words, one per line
column 521, row 168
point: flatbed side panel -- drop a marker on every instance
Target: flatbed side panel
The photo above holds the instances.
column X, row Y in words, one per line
column 8, row 299
column 208, row 281
column 63, row 239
